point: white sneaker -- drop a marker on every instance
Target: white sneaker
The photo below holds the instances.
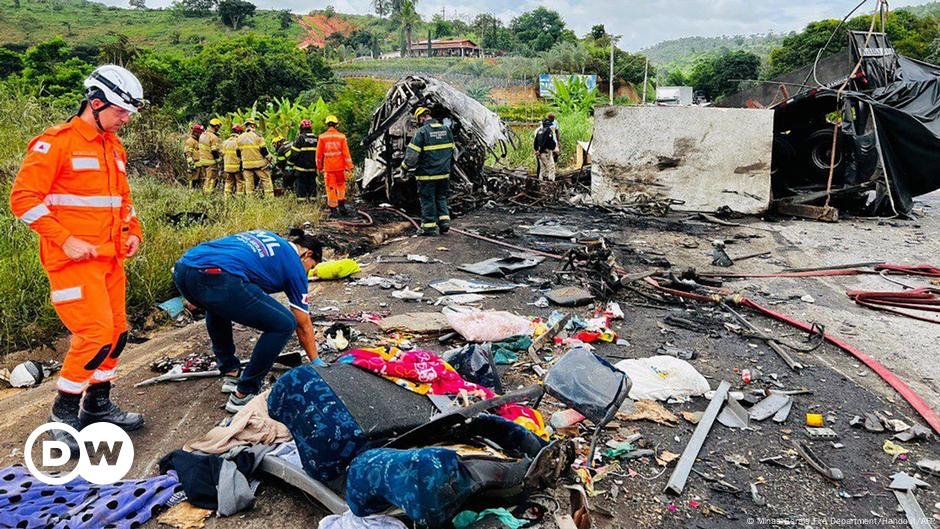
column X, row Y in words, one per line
column 235, row 403
column 229, row 384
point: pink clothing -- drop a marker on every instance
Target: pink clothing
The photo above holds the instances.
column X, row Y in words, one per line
column 426, row 373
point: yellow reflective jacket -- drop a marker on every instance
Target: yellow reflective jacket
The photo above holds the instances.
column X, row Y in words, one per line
column 253, row 150
column 191, row 150
column 230, row 160
column 208, row 149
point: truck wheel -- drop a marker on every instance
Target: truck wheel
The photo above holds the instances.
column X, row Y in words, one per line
column 819, row 155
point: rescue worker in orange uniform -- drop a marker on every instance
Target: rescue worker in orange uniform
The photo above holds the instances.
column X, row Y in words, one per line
column 72, row 190
column 191, row 150
column 234, row 182
column 333, row 162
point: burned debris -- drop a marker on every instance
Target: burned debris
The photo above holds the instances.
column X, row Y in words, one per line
column 876, row 126
column 478, row 133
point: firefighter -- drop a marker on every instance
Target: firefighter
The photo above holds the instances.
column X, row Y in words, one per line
column 255, row 160
column 234, row 182
column 209, row 155
column 72, row 190
column 302, row 162
column 334, row 163
column 430, row 157
column 191, row 151
column 281, row 148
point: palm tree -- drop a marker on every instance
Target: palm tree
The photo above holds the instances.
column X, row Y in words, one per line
column 381, row 7
column 408, row 18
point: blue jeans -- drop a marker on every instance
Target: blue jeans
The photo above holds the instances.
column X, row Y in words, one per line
column 228, row 298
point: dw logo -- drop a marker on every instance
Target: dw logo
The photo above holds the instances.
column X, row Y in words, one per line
column 105, row 454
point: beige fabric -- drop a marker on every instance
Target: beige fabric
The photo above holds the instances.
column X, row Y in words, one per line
column 250, row 426
column 547, row 166
column 258, row 175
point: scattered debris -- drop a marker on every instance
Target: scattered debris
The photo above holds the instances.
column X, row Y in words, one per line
column 503, row 266
column 416, row 322
column 817, row 464
column 770, row 406
column 470, row 286
column 681, row 473
column 733, row 415
column 650, row 410
column 569, row 296
column 489, row 325
column 663, row 378
column 904, row 486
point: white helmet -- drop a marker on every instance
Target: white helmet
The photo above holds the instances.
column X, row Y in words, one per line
column 117, row 85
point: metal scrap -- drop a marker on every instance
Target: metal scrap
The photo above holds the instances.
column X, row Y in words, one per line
column 681, row 473
column 478, row 133
column 817, row 464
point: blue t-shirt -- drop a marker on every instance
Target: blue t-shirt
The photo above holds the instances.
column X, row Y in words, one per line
column 261, row 257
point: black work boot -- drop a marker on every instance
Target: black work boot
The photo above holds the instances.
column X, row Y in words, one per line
column 97, row 407
column 342, row 208
column 333, row 213
column 65, row 411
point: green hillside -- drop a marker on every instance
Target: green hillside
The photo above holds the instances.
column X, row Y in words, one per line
column 929, row 9
column 681, row 54
column 84, row 23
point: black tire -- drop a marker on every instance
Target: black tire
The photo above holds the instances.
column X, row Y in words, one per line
column 818, row 156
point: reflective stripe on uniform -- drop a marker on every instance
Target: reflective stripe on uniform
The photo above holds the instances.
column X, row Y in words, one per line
column 104, row 376
column 302, row 149
column 304, row 169
column 66, row 294
column 438, row 147
column 428, row 224
column 444, row 217
column 414, row 147
column 424, row 178
column 85, row 163
column 35, row 214
column 81, row 201
column 249, row 146
column 63, row 384
column 120, row 165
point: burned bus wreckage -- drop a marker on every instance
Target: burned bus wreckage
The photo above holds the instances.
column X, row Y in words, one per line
column 478, row 133
column 888, row 143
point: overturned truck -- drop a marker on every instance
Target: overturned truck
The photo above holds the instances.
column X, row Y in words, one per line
column 478, row 133
column 888, row 134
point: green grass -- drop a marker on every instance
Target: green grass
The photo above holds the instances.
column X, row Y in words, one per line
column 574, row 128
column 84, row 23
column 26, row 316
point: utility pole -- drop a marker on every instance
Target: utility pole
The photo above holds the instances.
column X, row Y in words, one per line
column 646, row 71
column 610, row 79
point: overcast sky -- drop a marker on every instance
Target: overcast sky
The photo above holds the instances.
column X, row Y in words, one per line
column 641, row 22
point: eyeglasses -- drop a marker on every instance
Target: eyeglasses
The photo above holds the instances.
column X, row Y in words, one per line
column 120, row 92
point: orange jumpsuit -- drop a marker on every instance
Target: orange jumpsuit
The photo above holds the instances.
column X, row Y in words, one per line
column 334, row 160
column 73, row 182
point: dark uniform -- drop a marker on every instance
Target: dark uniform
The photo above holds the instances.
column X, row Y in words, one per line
column 280, row 164
column 430, row 156
column 302, row 161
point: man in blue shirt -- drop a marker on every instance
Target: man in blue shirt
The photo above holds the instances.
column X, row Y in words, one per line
column 231, row 278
